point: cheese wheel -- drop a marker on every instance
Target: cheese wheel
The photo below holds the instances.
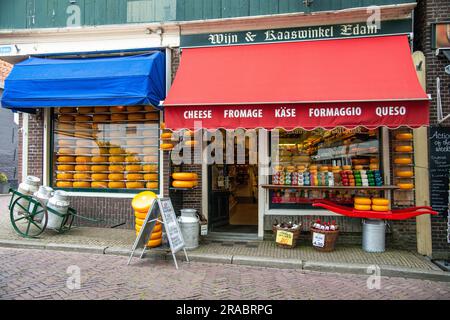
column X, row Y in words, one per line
column 101, row 118
column 85, row 143
column 149, row 108
column 140, row 221
column 99, row 168
column 67, row 110
column 190, row 142
column 99, row 159
column 151, row 185
column 150, row 150
column 116, row 185
column 183, row 184
column 116, row 168
column 81, row 184
column 64, row 126
column 362, row 201
column 82, row 167
column 65, row 167
column 116, row 142
column 116, row 159
column 64, row 176
column 142, row 202
column 134, row 168
column 313, row 167
column 166, row 135
column 374, row 166
column 135, row 116
column 101, row 109
column 380, row 202
column 66, row 142
column 116, row 176
column 85, row 110
column 65, row 117
column 62, row 151
column 150, row 168
column 403, row 148
column 403, row 136
column 403, row 161
column 152, row 116
column 118, row 109
column 64, row 184
column 81, row 176
column 99, row 184
column 135, row 185
column 83, row 118
column 380, row 208
column 82, row 151
column 66, row 159
column 134, row 108
column 404, row 174
column 135, row 176
column 154, row 243
column 83, row 159
column 359, row 167
column 166, row 146
column 116, row 151
column 134, row 150
column 185, row 176
column 155, row 236
column 115, row 117
column 99, row 151
column 151, row 176
column 347, row 167
column 405, row 185
column 134, row 142
column 99, row 176
column 132, row 159
column 362, row 207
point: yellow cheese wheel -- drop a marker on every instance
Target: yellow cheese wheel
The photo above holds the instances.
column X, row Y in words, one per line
column 81, row 184
column 166, row 146
column 150, row 168
column 359, row 167
column 404, row 174
column 189, row 176
column 362, row 201
column 118, row 109
column 134, row 168
column 380, row 202
column 135, row 116
column 83, row 118
column 151, row 158
column 85, row 110
column 403, row 161
column 134, row 150
column 190, row 142
column 135, row 176
column 362, row 207
column 166, row 135
column 99, row 151
column 116, row 185
column 116, row 176
column 99, row 159
column 62, row 151
column 142, row 202
column 82, row 167
column 403, row 136
column 99, row 168
column 65, row 117
column 116, row 159
column 324, row 168
column 151, row 185
column 67, row 110
column 132, row 159
column 65, row 167
column 405, row 185
column 134, row 142
column 380, row 208
column 66, row 159
column 403, row 148
column 151, row 176
column 374, row 166
column 64, row 176
column 374, row 160
column 66, row 143
column 82, row 176
column 347, row 167
column 116, row 151
column 64, row 184
column 81, row 159
column 183, row 184
column 101, row 118
column 134, row 108
column 150, row 150
column 116, row 168
column 99, row 176
column 154, row 243
column 99, row 184
column 155, row 236
column 82, row 151
column 140, row 221
column 152, row 116
column 118, row 117
column 101, row 109
column 135, row 185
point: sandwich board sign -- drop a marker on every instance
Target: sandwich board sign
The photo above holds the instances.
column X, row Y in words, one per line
column 163, row 207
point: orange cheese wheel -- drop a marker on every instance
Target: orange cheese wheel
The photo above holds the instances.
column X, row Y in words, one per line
column 135, row 116
column 150, row 168
column 81, row 159
column 359, row 167
column 151, row 176
column 134, row 168
column 140, row 221
column 374, row 166
column 101, row 109
column 183, row 184
column 116, row 176
column 166, row 135
column 380, row 208
column 154, row 243
column 403, row 148
column 83, row 118
column 116, row 168
column 65, row 151
column 135, row 185
column 404, row 174
column 66, row 159
column 99, row 168
column 116, row 151
column 134, row 108
column 151, row 185
column 81, row 184
column 67, row 110
column 81, row 176
column 64, row 176
column 99, row 159
column 118, row 109
column 118, row 117
column 66, row 167
column 85, row 110
column 149, row 108
column 135, row 176
column 156, row 235
column 116, row 185
column 99, row 176
column 134, row 142
column 152, row 116
column 99, row 184
column 362, row 201
column 82, row 167
column 347, row 167
column 380, row 202
column 65, row 117
column 184, row 176
column 82, row 151
column 64, row 184
column 166, row 146
column 132, row 159
column 403, row 161
column 405, row 186
column 66, row 142
column 116, row 159
column 99, row 151
column 362, row 207
column 151, row 158
column 403, row 136
column 101, row 118
column 142, row 202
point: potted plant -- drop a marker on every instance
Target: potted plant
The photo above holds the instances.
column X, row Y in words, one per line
column 4, row 185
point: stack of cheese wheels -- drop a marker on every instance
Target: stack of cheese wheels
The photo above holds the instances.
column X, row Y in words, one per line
column 184, row 180
column 404, row 174
column 380, row 204
column 141, row 204
column 367, row 204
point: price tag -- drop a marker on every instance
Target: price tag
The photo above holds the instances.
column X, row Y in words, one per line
column 284, row 237
column 204, row 229
column 318, row 240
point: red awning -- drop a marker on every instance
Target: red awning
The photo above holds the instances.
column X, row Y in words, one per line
column 367, row 82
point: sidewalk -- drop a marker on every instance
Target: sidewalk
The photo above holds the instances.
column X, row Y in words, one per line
column 257, row 253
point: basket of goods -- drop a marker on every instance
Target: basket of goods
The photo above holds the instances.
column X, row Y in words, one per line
column 324, row 235
column 286, row 234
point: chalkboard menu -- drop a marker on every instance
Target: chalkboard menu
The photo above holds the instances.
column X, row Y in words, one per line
column 439, row 168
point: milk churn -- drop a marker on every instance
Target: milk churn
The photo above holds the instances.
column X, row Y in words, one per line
column 42, row 195
column 190, row 228
column 60, row 203
column 28, row 187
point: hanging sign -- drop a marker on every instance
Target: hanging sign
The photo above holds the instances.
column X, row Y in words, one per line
column 321, row 32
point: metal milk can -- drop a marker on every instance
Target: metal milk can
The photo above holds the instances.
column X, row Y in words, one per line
column 28, row 187
column 60, row 203
column 42, row 195
column 190, row 228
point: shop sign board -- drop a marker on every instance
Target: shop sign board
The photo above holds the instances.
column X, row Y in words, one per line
column 318, row 240
column 320, row 32
column 284, row 237
column 440, row 168
column 440, row 35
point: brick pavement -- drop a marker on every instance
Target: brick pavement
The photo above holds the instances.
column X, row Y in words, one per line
column 36, row 274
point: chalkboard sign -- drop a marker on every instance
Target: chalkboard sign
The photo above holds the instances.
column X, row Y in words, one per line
column 172, row 228
column 439, row 168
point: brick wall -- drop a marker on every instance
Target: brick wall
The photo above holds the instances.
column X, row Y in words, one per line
column 427, row 12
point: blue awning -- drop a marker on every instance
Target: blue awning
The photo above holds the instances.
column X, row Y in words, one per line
column 115, row 81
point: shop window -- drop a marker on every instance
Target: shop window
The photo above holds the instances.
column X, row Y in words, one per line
column 321, row 160
column 106, row 148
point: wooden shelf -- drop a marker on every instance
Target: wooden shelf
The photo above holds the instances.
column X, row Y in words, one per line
column 280, row 186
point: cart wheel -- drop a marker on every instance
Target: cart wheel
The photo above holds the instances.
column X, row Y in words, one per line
column 30, row 219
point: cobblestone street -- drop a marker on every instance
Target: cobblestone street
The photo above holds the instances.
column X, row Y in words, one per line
column 37, row 274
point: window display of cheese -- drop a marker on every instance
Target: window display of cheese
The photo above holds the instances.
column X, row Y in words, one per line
column 100, row 168
column 134, row 168
column 186, row 176
column 64, row 184
column 116, row 177
column 380, row 208
column 67, row 110
column 149, row 168
column 64, row 176
column 82, row 168
column 81, row 176
column 65, row 167
column 82, row 159
column 101, row 118
column 134, row 142
column 118, row 109
column 99, row 151
column 65, row 159
column 132, row 159
column 166, row 135
column 81, row 184
column 66, row 143
column 101, row 109
column 403, row 148
column 83, row 151
column 404, row 174
column 64, row 151
column 116, row 185
column 65, row 126
column 405, row 186
column 380, row 202
column 85, row 110
column 116, row 151
column 135, row 116
column 65, row 117
column 134, row 108
column 117, row 117
column 83, row 118
column 116, row 159
column 403, row 161
column 99, row 176
column 85, row 143
column 152, row 116
column 99, row 184
column 99, row 159
column 362, row 201
column 404, row 136
column 134, row 185
column 151, row 177
column 166, row 146
column 134, row 176
column 151, row 185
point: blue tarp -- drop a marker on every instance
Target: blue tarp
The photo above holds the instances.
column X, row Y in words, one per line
column 116, row 81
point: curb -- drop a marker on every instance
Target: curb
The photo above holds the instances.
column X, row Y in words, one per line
column 268, row 262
